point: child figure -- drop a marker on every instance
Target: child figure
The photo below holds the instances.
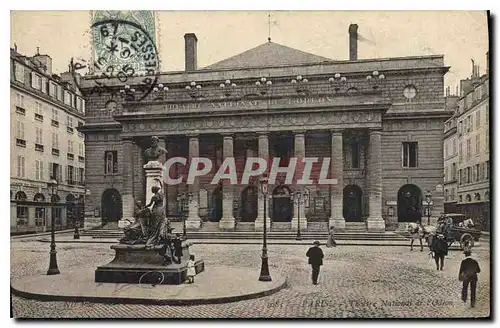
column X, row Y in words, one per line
column 191, row 271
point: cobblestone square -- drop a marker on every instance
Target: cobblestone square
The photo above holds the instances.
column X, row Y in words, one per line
column 355, row 281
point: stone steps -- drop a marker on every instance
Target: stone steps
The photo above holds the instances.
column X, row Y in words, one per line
column 280, row 235
column 281, row 226
column 356, row 226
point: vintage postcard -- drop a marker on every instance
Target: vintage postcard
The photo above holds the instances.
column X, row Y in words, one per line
column 243, row 164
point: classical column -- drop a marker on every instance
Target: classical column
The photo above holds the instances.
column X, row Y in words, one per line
column 300, row 154
column 264, row 154
column 128, row 183
column 375, row 222
column 337, row 190
column 227, row 222
column 193, row 220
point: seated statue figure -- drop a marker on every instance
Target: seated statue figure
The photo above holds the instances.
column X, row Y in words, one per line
column 137, row 232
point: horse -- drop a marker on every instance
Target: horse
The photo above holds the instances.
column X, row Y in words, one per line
column 439, row 248
column 417, row 231
column 467, row 223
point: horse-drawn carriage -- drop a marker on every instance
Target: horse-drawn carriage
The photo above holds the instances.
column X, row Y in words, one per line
column 453, row 228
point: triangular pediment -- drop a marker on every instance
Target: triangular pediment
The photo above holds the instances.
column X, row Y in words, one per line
column 269, row 54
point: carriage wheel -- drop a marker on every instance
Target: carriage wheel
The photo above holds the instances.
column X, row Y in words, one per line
column 450, row 243
column 466, row 240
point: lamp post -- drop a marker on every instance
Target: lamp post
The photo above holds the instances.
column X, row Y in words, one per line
column 264, row 268
column 53, row 269
column 76, row 235
column 299, row 198
column 428, row 198
column 182, row 199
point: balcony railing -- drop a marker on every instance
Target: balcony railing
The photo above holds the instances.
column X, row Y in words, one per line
column 69, row 129
column 20, row 142
column 38, row 147
column 70, row 156
column 38, row 117
column 81, row 159
column 55, row 151
column 20, row 110
column 55, row 123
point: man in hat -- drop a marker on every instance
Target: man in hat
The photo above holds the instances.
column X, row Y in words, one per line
column 315, row 255
column 469, row 268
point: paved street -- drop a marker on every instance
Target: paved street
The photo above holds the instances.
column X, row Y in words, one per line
column 365, row 282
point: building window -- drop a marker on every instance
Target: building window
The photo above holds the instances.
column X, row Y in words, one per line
column 56, row 172
column 111, row 162
column 36, row 81
column 70, row 175
column 19, row 72
column 469, row 174
column 67, row 98
column 460, row 153
column 355, row 162
column 20, row 166
column 487, row 171
column 52, row 89
column 468, row 149
column 81, row 150
column 460, row 198
column 70, row 121
column 471, row 122
column 55, row 140
column 19, row 100
column 478, row 119
column 82, row 176
column 446, row 176
column 478, row 143
column 39, row 135
column 487, row 117
column 453, row 194
column 477, row 171
column 39, row 211
column 468, row 198
column 445, row 150
column 453, row 171
column 21, row 210
column 454, row 146
column 20, row 130
column 487, row 139
column 446, row 195
column 70, row 146
column 38, row 170
column 410, row 152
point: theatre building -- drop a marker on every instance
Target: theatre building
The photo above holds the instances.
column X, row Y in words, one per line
column 380, row 121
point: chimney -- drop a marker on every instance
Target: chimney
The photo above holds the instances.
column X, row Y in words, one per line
column 353, row 42
column 190, row 50
column 45, row 62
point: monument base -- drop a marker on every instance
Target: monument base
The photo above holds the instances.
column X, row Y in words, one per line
column 135, row 264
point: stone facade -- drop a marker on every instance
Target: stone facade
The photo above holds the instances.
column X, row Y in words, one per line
column 44, row 114
column 384, row 136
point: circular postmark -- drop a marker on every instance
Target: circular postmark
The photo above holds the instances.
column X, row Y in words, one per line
column 125, row 64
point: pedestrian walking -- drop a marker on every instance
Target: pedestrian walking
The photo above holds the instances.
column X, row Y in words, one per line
column 469, row 268
column 191, row 270
column 315, row 255
column 331, row 238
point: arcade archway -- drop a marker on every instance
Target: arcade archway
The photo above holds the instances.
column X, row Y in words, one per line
column 282, row 204
column 409, row 203
column 352, row 203
column 111, row 204
column 249, row 204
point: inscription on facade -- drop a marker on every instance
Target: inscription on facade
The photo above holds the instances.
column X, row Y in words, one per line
column 251, row 103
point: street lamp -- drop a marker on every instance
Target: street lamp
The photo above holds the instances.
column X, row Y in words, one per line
column 428, row 198
column 299, row 198
column 264, row 268
column 76, row 234
column 53, row 269
column 182, row 199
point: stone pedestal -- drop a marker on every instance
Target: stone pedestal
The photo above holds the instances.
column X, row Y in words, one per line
column 338, row 224
column 259, row 224
column 303, row 224
column 227, row 224
column 135, row 264
column 375, row 225
column 154, row 171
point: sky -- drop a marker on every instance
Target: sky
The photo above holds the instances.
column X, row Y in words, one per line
column 459, row 35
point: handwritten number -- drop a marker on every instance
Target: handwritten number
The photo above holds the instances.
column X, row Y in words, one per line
column 104, row 30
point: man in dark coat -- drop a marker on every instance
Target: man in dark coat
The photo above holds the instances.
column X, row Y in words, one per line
column 315, row 255
column 469, row 268
column 178, row 247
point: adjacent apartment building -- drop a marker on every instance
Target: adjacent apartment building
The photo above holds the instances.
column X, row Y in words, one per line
column 473, row 162
column 44, row 114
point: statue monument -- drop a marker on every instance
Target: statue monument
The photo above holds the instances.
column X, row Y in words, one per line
column 149, row 245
